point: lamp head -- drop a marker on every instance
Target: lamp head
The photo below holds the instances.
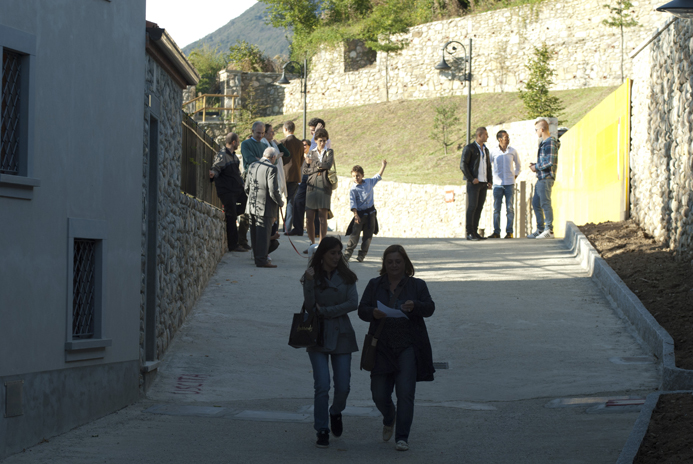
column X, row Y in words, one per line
column 679, row 8
column 443, row 65
column 283, row 80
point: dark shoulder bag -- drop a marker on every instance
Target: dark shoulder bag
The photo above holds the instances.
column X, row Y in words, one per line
column 306, row 329
column 370, row 343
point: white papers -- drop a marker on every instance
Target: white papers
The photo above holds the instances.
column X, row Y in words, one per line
column 391, row 312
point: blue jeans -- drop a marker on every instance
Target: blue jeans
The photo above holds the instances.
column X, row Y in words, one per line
column 541, row 203
column 500, row 191
column 404, row 383
column 341, row 365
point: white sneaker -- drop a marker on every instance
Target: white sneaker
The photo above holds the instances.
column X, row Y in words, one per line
column 402, row 446
column 534, row 234
column 548, row 233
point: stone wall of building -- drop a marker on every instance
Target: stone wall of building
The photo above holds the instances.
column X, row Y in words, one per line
column 191, row 234
column 662, row 144
column 259, row 87
column 588, row 54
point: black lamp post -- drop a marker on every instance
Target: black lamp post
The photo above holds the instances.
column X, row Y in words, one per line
column 304, row 86
column 679, row 8
column 451, row 49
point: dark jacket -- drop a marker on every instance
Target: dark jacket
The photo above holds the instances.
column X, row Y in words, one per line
column 295, row 147
column 414, row 289
column 336, row 299
column 469, row 164
column 227, row 174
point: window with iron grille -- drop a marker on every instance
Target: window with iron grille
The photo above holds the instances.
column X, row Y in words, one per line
column 17, row 102
column 10, row 112
column 87, row 241
column 83, row 289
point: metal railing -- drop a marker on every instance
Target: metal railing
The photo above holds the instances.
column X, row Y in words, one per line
column 199, row 105
column 197, row 158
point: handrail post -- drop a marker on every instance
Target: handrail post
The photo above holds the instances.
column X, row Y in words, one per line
column 204, row 108
column 233, row 110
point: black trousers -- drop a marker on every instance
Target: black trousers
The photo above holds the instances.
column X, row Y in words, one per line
column 229, row 200
column 476, row 196
column 299, row 207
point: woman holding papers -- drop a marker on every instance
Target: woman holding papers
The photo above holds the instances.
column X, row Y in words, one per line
column 403, row 355
column 329, row 287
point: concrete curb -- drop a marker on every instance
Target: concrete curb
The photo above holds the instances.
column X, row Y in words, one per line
column 657, row 339
column 632, row 446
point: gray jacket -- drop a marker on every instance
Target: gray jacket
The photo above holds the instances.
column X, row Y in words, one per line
column 336, row 301
column 262, row 189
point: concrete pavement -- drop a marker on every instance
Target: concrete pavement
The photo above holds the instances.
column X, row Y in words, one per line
column 533, row 347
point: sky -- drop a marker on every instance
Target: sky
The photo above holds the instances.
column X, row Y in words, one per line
column 187, row 21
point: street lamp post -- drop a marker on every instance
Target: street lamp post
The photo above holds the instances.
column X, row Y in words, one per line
column 304, row 86
column 451, row 49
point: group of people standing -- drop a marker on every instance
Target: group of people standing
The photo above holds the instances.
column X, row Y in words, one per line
column 497, row 169
column 301, row 171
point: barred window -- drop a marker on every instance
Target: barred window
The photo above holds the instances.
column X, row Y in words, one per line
column 84, row 289
column 9, row 112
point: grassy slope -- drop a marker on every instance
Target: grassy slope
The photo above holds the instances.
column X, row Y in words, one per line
column 399, row 132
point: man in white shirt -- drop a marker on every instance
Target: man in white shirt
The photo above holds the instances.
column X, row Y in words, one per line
column 503, row 157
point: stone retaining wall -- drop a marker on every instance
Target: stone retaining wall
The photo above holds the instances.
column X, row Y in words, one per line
column 191, row 235
column 662, row 144
column 588, row 55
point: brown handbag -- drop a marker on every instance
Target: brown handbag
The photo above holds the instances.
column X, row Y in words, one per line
column 370, row 343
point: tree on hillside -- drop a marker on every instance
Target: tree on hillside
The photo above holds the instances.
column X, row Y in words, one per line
column 208, row 63
column 535, row 96
column 621, row 18
column 249, row 58
column 317, row 22
column 444, row 123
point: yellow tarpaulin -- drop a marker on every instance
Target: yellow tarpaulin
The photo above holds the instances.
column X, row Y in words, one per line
column 592, row 177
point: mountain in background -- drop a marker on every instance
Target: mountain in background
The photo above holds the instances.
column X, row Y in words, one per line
column 251, row 27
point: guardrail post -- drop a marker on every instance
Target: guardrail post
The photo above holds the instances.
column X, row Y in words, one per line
column 523, row 209
column 204, row 108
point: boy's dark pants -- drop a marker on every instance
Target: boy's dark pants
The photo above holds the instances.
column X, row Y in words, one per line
column 367, row 225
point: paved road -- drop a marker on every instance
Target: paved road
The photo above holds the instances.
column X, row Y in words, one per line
column 534, row 351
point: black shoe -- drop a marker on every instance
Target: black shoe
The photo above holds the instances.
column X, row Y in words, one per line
column 494, row 235
column 508, row 236
column 360, row 258
column 472, row 237
column 479, row 237
column 323, row 439
column 246, row 246
column 336, row 425
column 295, row 232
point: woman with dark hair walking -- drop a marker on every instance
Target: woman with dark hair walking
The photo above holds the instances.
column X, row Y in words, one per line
column 329, row 287
column 403, row 353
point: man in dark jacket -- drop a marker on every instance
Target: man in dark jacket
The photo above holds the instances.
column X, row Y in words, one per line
column 293, row 175
column 227, row 178
column 476, row 166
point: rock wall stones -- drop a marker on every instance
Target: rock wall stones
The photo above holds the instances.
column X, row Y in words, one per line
column 260, row 87
column 588, row 55
column 662, row 144
column 191, row 234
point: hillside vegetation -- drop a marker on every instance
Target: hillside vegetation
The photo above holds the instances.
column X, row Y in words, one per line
column 399, row 132
column 251, row 27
